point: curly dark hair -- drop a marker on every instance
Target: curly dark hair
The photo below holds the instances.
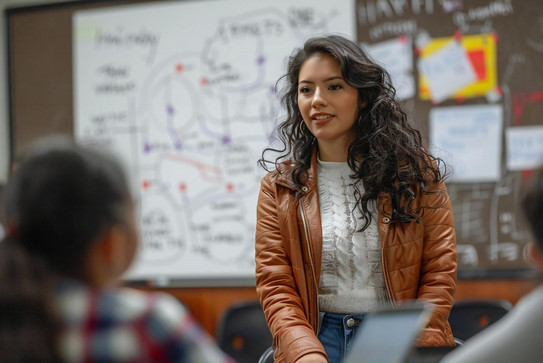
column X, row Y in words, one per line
column 386, row 156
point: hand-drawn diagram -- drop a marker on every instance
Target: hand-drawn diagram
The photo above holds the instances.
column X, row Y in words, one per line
column 187, row 99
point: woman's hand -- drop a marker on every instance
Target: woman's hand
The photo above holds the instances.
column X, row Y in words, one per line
column 313, row 358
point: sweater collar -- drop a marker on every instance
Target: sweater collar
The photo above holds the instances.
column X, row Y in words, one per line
column 284, row 178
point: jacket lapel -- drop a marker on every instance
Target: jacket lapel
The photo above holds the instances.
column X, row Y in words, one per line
column 309, row 201
column 311, row 206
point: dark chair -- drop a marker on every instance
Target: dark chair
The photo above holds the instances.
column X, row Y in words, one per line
column 469, row 317
column 242, row 332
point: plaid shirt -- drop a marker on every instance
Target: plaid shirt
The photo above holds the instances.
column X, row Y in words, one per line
column 126, row 325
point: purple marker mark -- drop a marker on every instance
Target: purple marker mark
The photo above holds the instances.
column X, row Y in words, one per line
column 272, row 88
column 260, row 75
column 226, row 140
column 171, row 129
column 146, row 147
column 205, row 130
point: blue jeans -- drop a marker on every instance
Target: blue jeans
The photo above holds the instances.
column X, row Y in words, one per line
column 336, row 334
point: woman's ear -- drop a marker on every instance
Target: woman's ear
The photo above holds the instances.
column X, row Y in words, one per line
column 535, row 255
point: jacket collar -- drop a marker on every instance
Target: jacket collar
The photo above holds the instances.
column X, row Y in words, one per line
column 284, row 178
column 309, row 179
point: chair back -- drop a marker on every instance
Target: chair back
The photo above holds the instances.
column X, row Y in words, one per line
column 242, row 332
column 267, row 356
column 469, row 317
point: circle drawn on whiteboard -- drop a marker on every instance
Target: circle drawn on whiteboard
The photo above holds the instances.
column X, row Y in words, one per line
column 225, row 241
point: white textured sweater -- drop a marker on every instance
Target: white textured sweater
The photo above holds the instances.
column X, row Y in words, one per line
column 351, row 280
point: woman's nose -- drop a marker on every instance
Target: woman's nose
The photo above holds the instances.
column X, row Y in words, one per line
column 318, row 99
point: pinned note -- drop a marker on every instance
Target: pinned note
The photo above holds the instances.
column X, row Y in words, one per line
column 447, row 71
column 396, row 57
column 524, row 147
column 479, row 50
column 468, row 138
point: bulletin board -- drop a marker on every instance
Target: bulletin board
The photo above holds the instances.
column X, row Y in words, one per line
column 471, row 75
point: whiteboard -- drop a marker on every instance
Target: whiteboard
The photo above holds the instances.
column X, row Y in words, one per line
column 184, row 93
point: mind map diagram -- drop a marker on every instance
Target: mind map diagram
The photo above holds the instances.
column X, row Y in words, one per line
column 191, row 130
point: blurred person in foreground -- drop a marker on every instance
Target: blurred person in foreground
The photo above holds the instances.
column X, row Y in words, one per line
column 517, row 337
column 71, row 234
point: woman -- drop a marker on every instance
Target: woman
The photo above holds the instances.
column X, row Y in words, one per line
column 357, row 217
column 71, row 235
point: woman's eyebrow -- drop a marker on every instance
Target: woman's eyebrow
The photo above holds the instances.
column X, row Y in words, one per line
column 326, row 80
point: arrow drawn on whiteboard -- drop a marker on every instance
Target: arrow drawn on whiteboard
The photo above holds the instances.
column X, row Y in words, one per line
column 208, row 172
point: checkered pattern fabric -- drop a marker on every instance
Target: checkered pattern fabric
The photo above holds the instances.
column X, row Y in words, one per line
column 126, row 325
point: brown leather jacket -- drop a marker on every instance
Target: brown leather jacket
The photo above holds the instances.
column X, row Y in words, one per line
column 419, row 261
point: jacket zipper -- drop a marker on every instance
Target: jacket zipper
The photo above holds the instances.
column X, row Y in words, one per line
column 309, row 251
column 387, row 284
column 385, row 274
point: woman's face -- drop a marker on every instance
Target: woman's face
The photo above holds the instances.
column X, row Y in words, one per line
column 328, row 105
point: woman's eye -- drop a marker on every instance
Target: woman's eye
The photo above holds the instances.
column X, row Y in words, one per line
column 304, row 90
column 335, row 87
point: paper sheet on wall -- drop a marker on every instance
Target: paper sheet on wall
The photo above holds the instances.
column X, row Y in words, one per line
column 447, row 71
column 184, row 93
column 396, row 57
column 479, row 50
column 468, row 138
column 524, row 146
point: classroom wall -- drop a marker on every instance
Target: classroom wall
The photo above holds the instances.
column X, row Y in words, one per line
column 208, row 304
column 4, row 109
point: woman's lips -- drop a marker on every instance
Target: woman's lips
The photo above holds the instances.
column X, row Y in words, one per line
column 321, row 118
